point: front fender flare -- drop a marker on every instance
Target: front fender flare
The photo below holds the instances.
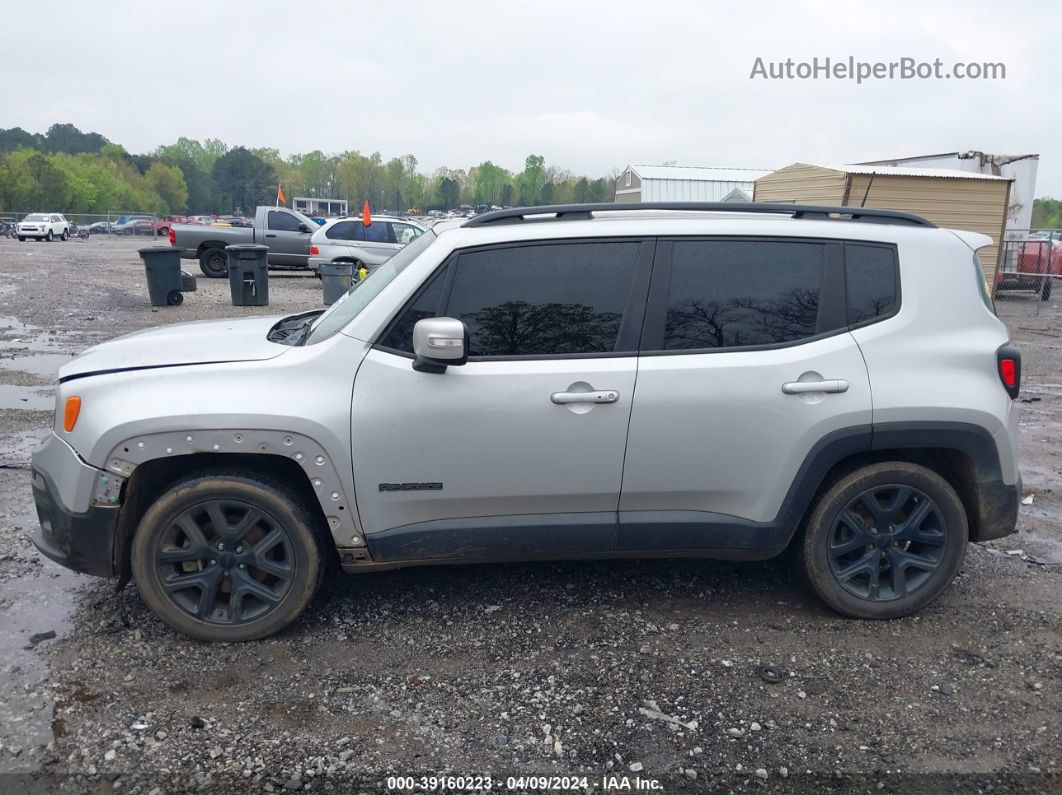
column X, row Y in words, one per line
column 336, row 500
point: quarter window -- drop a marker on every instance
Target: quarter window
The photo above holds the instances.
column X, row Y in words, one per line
column 737, row 293
column 542, row 300
column 870, row 282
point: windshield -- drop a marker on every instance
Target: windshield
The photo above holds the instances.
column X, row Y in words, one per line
column 35, row 217
column 347, row 308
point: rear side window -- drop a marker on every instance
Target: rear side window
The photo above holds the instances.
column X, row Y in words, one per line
column 739, row 293
column 871, row 280
column 542, row 300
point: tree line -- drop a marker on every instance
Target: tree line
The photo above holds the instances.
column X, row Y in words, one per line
column 66, row 170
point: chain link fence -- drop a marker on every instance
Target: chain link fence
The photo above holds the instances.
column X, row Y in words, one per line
column 85, row 225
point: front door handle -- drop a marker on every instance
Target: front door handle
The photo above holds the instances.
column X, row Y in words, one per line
column 596, row 396
column 804, row 387
column 270, row 235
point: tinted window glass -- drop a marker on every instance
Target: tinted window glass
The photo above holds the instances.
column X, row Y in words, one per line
column 543, row 299
column 870, row 277
column 377, row 232
column 728, row 294
column 400, row 335
column 283, row 222
column 344, row 230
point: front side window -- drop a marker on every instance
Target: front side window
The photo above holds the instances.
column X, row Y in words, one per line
column 544, row 299
column 739, row 293
column 399, row 336
column 870, row 282
column 283, row 222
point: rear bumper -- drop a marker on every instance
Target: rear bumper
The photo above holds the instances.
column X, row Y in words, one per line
column 77, row 507
column 997, row 510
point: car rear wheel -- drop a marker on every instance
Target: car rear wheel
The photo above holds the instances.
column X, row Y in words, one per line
column 885, row 541
column 227, row 557
column 65, row 235
column 214, row 263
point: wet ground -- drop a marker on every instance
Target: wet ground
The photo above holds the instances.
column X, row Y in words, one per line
column 650, row 670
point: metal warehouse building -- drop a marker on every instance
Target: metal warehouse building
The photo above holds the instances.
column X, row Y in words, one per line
column 950, row 198
column 686, row 184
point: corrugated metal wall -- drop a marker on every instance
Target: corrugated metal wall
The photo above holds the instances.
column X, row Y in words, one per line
column 690, row 190
column 976, row 205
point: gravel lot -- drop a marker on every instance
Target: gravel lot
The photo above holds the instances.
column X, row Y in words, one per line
column 638, row 669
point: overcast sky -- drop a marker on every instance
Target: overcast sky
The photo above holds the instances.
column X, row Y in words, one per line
column 592, row 86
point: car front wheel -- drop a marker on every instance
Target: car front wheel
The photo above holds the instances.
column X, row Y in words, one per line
column 885, row 541
column 227, row 557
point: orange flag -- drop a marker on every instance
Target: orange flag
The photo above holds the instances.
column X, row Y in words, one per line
column 280, row 195
column 366, row 219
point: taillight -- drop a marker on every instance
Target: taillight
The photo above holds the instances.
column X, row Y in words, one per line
column 314, row 250
column 1008, row 364
column 173, row 237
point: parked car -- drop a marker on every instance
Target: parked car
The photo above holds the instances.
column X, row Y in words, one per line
column 286, row 232
column 1037, row 263
column 100, row 228
column 349, row 240
column 584, row 385
column 134, row 225
column 43, row 226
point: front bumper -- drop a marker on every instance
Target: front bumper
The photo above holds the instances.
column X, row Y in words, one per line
column 78, row 509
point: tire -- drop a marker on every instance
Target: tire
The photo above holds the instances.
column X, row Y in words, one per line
column 65, row 236
column 49, row 237
column 165, row 556
column 846, row 541
column 175, row 298
column 214, row 263
column 1045, row 292
column 21, row 239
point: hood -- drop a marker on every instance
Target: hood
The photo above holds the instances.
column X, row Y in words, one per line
column 202, row 342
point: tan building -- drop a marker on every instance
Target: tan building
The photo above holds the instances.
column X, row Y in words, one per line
column 949, row 198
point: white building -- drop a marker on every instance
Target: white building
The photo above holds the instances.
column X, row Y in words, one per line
column 322, row 208
column 686, row 184
column 1020, row 168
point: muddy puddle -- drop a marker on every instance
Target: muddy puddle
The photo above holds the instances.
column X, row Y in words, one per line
column 32, row 607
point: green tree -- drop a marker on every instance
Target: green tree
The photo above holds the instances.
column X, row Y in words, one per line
column 168, row 182
column 242, row 181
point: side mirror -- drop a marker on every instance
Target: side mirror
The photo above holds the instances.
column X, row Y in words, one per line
column 304, row 228
column 439, row 342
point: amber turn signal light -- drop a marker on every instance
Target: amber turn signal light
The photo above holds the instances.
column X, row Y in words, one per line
column 70, row 412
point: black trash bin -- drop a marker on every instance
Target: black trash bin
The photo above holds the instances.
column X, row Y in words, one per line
column 248, row 274
column 163, row 267
column 336, row 279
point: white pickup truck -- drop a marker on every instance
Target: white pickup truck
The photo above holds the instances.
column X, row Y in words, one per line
column 286, row 232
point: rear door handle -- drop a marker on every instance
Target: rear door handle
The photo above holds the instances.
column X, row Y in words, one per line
column 597, row 396
column 803, row 387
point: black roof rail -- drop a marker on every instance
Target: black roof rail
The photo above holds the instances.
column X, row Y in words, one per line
column 571, row 212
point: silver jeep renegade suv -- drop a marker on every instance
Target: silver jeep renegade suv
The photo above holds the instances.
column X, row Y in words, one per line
column 585, row 381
